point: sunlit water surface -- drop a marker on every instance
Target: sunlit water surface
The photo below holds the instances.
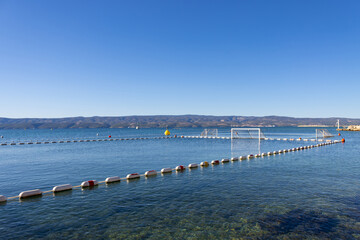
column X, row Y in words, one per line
column 309, row 194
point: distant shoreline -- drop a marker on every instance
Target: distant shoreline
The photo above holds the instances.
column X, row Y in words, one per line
column 171, row 121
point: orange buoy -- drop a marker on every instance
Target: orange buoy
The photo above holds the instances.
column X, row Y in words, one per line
column 109, row 136
column 339, row 134
column 343, row 140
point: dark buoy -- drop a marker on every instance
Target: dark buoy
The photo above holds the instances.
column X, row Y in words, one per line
column 343, row 140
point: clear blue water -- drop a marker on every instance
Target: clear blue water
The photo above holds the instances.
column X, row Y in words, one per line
column 310, row 194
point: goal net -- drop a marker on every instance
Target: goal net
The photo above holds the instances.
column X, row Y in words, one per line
column 210, row 132
column 323, row 133
column 245, row 141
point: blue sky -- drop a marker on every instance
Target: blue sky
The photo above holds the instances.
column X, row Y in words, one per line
column 116, row 58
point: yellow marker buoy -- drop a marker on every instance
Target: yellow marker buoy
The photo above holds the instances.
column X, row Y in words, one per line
column 167, row 132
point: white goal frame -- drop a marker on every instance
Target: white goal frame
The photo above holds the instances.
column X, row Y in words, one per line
column 259, row 136
column 246, row 129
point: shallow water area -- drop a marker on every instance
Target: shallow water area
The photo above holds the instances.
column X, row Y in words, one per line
column 311, row 193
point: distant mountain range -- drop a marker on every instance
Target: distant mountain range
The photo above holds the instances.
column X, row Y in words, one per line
column 172, row 121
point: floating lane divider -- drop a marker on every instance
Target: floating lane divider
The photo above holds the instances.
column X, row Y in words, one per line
column 61, row 188
column 150, row 173
column 271, row 139
column 166, row 170
column 143, row 138
column 204, row 164
column 109, row 180
column 112, row 179
column 180, row 168
column 192, row 165
column 90, row 183
column 78, row 140
column 132, row 176
column 3, row 198
column 215, row 162
column 30, row 193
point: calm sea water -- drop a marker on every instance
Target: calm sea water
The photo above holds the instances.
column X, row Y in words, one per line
column 310, row 194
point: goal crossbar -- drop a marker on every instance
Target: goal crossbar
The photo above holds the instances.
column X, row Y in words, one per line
column 246, row 133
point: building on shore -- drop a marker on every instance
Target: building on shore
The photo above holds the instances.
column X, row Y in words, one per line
column 350, row 128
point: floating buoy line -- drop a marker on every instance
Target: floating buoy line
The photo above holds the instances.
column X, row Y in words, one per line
column 147, row 138
column 131, row 176
column 80, row 140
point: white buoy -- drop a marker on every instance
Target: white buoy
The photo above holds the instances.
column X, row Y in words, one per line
column 258, row 155
column 90, row 183
column 250, row 156
column 264, row 154
column 61, row 188
column 3, row 198
column 180, row 168
column 224, row 160
column 280, row 151
column 215, row 162
column 30, row 193
column 166, row 170
column 150, row 173
column 285, row 150
column 275, row 152
column 132, row 176
column 234, row 159
column 270, row 153
column 112, row 179
column 192, row 165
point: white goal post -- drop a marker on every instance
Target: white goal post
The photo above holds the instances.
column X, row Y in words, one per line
column 246, row 133
column 246, row 141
